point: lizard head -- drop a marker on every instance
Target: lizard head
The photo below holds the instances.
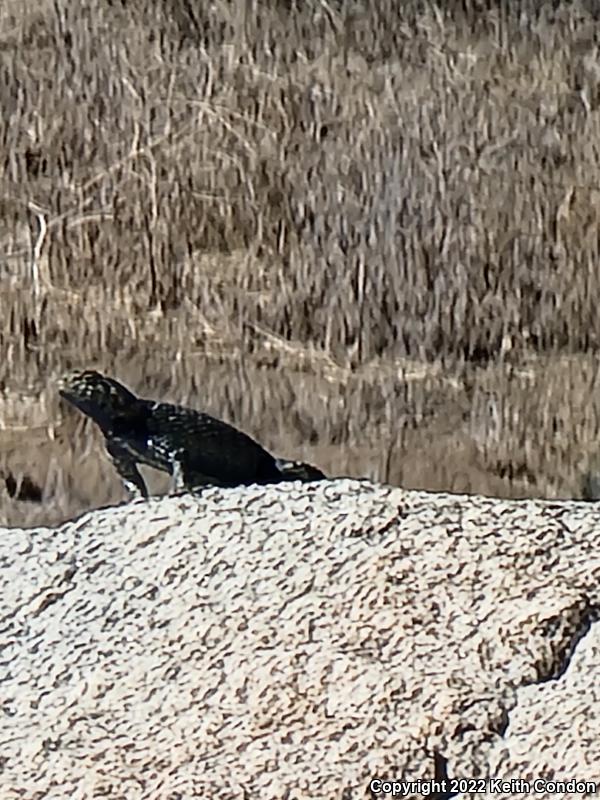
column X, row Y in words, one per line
column 101, row 398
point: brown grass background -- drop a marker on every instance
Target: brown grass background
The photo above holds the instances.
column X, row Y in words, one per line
column 366, row 233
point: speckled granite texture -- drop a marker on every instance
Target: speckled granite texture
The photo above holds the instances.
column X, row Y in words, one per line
column 296, row 642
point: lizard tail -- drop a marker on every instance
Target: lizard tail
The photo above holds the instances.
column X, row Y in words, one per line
column 299, row 471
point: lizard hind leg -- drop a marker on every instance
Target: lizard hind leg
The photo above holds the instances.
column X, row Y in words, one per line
column 185, row 480
column 182, row 478
column 179, row 482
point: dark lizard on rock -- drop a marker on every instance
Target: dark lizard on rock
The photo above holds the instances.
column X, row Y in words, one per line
column 194, row 448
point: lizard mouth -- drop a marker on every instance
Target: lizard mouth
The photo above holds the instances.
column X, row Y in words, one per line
column 68, row 391
column 73, row 399
column 62, row 384
column 75, row 384
column 65, row 395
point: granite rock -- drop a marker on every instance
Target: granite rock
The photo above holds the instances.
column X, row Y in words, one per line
column 300, row 641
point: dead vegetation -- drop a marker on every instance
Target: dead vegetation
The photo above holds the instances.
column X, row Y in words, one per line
column 365, row 232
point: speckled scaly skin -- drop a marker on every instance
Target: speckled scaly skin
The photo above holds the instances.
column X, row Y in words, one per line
column 193, row 447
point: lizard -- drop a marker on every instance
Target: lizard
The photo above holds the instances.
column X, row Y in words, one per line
column 195, row 448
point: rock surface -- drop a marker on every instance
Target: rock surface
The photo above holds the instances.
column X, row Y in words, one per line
column 298, row 642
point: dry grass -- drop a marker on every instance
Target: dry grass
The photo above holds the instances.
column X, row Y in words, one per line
column 368, row 233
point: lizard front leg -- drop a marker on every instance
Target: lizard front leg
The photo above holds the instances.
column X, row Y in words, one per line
column 127, row 469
